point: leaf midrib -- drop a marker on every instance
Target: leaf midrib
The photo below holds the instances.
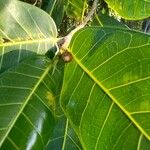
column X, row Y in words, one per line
column 26, row 102
column 12, row 43
column 110, row 96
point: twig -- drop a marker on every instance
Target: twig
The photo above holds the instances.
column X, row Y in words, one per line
column 38, row 3
column 35, row 2
column 91, row 13
column 64, row 42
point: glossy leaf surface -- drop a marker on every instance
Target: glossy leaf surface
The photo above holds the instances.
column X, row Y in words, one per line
column 63, row 137
column 24, row 30
column 131, row 9
column 106, row 90
column 27, row 104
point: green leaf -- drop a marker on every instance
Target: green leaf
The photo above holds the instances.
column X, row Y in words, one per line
column 28, row 103
column 24, row 30
column 55, row 8
column 76, row 9
column 106, row 90
column 48, row 5
column 104, row 20
column 64, row 137
column 131, row 9
column 58, row 12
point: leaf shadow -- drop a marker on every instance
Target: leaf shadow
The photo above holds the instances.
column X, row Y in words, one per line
column 13, row 58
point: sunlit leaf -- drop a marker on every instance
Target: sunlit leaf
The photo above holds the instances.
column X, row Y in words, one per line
column 131, row 9
column 24, row 30
column 106, row 90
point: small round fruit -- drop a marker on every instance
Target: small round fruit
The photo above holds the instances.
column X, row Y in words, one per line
column 66, row 56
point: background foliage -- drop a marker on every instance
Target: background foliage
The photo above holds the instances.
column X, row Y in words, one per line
column 100, row 100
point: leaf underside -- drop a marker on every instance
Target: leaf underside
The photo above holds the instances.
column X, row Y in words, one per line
column 24, row 30
column 106, row 89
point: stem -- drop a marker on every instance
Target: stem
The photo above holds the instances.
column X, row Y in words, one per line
column 91, row 13
column 64, row 42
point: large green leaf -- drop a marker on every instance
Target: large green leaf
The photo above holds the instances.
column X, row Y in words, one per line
column 131, row 9
column 27, row 104
column 24, row 30
column 76, row 9
column 106, row 89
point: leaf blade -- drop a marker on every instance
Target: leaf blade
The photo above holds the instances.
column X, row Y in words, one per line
column 97, row 60
column 132, row 10
column 76, row 9
column 22, row 120
column 26, row 31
